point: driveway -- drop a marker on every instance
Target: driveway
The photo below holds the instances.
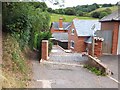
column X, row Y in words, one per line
column 52, row 75
column 112, row 62
column 59, row 55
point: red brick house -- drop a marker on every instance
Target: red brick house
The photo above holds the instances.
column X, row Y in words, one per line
column 110, row 31
column 60, row 27
column 79, row 33
column 59, row 32
column 76, row 36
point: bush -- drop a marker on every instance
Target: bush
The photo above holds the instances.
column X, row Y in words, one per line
column 95, row 14
column 102, row 14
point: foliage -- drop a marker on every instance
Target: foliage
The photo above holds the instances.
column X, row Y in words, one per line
column 23, row 20
column 107, row 5
column 84, row 10
column 95, row 14
column 94, row 70
column 70, row 11
column 19, row 63
column 102, row 14
column 38, row 40
column 68, row 18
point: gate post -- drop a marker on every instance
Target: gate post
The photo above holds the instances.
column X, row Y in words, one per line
column 44, row 50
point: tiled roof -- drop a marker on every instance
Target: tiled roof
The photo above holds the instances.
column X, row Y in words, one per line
column 66, row 25
column 63, row 37
column 115, row 16
column 84, row 27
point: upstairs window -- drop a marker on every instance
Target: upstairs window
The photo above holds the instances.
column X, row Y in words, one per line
column 72, row 32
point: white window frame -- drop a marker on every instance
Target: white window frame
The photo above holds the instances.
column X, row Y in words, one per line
column 71, row 44
column 72, row 31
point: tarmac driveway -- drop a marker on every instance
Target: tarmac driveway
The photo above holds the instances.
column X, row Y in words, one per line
column 52, row 75
column 112, row 62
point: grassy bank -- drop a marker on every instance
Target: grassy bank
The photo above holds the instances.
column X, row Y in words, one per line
column 68, row 18
column 16, row 66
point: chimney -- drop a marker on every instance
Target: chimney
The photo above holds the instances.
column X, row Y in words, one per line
column 61, row 23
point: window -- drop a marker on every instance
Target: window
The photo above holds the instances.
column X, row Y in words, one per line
column 72, row 32
column 72, row 44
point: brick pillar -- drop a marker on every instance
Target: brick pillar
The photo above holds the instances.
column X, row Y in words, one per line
column 44, row 50
column 115, row 38
column 98, row 48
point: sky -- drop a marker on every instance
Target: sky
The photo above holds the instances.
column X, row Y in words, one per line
column 71, row 3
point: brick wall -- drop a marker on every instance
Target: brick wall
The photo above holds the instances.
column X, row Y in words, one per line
column 115, row 27
column 97, row 48
column 79, row 45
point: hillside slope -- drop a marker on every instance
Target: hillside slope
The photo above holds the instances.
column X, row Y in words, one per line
column 68, row 18
column 113, row 8
column 16, row 67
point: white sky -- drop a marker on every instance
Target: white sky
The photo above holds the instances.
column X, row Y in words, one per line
column 70, row 3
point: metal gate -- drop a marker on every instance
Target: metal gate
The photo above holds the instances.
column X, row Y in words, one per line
column 107, row 43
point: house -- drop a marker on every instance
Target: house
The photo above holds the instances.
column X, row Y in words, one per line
column 80, row 32
column 60, row 27
column 110, row 31
column 77, row 36
column 59, row 32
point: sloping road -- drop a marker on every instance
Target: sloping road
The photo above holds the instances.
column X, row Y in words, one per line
column 52, row 75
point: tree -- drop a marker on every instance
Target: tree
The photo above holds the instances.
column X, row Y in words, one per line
column 95, row 14
column 79, row 13
column 49, row 10
column 70, row 11
column 23, row 20
column 102, row 14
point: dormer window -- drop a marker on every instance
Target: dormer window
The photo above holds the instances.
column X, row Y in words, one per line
column 72, row 32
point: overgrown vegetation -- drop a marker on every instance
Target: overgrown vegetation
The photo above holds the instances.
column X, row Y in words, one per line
column 95, row 70
column 22, row 21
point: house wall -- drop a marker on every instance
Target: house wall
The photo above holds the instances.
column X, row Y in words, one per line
column 79, row 45
column 58, row 31
column 115, row 27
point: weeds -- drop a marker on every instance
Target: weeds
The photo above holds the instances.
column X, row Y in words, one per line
column 95, row 70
